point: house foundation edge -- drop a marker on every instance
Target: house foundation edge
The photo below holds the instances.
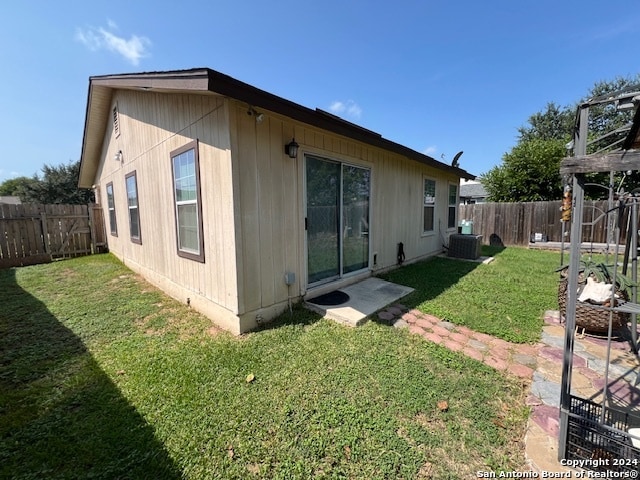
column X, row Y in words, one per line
column 219, row 315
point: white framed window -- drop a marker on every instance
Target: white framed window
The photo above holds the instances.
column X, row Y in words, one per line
column 187, row 201
column 453, row 206
column 132, row 202
column 429, row 205
column 111, row 207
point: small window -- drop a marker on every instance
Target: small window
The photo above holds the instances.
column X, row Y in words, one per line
column 429, row 205
column 132, row 202
column 111, row 206
column 453, row 206
column 116, row 121
column 188, row 203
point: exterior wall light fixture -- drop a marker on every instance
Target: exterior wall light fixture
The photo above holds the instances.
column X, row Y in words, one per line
column 291, row 148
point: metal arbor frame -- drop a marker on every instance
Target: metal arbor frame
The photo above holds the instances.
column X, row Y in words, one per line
column 590, row 431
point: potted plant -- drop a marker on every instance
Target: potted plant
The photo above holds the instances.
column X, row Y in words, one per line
column 588, row 315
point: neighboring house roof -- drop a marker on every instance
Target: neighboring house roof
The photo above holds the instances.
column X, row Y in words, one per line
column 472, row 190
column 207, row 81
column 11, row 200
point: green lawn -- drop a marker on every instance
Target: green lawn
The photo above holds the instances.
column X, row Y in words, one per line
column 102, row 376
column 506, row 298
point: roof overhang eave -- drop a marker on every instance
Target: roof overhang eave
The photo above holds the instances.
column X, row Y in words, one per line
column 205, row 80
column 99, row 103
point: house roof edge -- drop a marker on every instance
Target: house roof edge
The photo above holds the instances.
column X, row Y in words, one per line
column 208, row 80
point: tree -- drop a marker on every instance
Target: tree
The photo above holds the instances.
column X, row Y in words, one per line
column 58, row 184
column 538, row 151
column 607, row 119
column 529, row 173
column 15, row 187
column 555, row 123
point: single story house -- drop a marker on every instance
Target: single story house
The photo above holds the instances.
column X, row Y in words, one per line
column 238, row 201
column 472, row 192
column 10, row 200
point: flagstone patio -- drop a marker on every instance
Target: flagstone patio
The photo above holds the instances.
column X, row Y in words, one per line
column 541, row 364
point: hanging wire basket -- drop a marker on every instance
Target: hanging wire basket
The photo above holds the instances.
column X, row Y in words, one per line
column 591, row 317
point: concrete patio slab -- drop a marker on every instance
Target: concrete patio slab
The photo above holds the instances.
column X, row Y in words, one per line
column 365, row 297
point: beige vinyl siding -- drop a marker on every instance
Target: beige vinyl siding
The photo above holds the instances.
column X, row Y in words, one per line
column 148, row 123
column 268, row 217
column 398, row 216
column 270, row 201
column 253, row 201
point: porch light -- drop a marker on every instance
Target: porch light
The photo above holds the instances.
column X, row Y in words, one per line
column 118, row 156
column 291, row 148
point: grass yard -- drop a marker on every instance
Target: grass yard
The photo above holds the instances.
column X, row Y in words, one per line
column 102, row 376
column 506, row 298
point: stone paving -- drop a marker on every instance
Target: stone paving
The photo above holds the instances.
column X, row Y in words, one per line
column 517, row 359
column 541, row 364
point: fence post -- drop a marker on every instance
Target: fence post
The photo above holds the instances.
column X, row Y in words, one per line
column 45, row 232
column 92, row 228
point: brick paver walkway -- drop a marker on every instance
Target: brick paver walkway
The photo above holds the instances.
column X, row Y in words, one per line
column 540, row 363
column 516, row 359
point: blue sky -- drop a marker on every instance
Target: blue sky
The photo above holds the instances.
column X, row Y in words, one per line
column 436, row 76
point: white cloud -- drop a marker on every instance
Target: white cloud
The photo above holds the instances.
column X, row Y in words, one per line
column 349, row 109
column 103, row 38
column 430, row 150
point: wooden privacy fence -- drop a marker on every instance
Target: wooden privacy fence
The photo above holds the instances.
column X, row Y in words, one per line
column 516, row 223
column 31, row 234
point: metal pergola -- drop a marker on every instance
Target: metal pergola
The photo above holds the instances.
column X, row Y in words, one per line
column 599, row 432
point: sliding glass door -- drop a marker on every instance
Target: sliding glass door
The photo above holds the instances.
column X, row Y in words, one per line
column 337, row 219
column 355, row 218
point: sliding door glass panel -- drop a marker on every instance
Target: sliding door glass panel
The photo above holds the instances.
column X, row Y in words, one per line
column 355, row 218
column 323, row 200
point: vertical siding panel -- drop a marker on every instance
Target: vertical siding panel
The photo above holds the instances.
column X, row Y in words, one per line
column 352, row 151
column 249, row 212
column 278, row 190
column 308, row 138
column 382, row 201
column 214, row 274
column 333, row 145
column 266, row 213
column 344, row 147
column 357, row 151
column 293, row 208
column 227, row 201
column 407, row 200
column 203, row 277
